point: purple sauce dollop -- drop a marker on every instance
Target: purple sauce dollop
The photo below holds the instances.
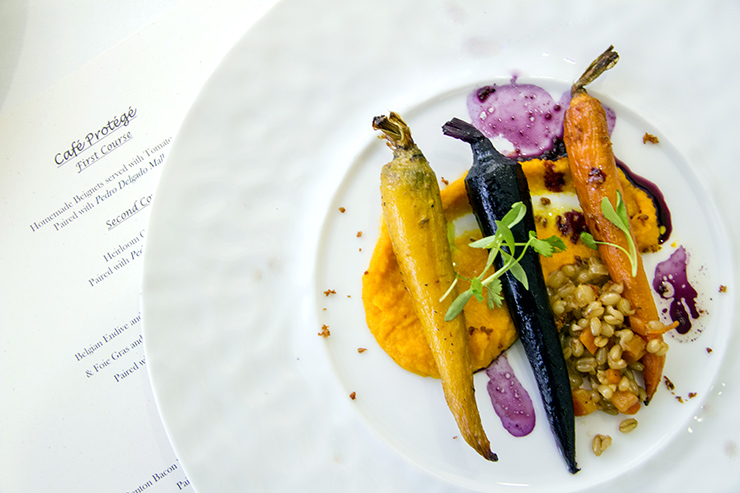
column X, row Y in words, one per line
column 510, row 400
column 671, row 283
column 524, row 114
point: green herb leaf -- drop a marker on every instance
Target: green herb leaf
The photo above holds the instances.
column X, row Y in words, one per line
column 457, row 306
column 622, row 211
column 548, row 246
column 621, row 220
column 608, row 210
column 557, row 243
column 476, row 287
column 516, row 269
column 515, row 215
column 508, row 237
column 487, row 242
column 495, row 300
column 589, row 241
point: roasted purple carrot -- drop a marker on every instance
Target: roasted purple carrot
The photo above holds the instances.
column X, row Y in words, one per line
column 494, row 184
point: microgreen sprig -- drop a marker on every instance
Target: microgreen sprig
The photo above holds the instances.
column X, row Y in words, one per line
column 501, row 243
column 621, row 220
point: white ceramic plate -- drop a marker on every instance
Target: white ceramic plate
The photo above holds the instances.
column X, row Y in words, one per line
column 246, row 234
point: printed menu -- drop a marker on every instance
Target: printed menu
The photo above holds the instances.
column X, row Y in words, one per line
column 79, row 168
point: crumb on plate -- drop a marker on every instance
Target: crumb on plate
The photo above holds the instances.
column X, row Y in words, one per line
column 649, row 138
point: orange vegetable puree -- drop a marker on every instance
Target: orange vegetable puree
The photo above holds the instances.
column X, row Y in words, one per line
column 388, row 310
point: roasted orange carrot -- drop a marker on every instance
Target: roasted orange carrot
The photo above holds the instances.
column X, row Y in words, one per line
column 595, row 176
column 626, row 402
column 412, row 208
column 588, row 341
column 583, row 402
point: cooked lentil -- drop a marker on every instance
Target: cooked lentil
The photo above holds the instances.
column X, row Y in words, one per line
column 628, row 425
column 601, row 443
column 584, row 298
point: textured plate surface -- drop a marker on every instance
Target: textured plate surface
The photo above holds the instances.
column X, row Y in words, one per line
column 245, row 236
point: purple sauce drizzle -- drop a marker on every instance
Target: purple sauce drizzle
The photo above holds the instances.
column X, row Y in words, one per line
column 652, row 190
column 510, row 400
column 524, row 114
column 671, row 282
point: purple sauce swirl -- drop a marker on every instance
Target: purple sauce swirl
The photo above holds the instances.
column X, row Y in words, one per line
column 671, row 283
column 524, row 114
column 509, row 398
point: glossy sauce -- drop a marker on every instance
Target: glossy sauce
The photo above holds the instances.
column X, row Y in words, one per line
column 664, row 214
column 509, row 398
column 524, row 114
column 671, row 283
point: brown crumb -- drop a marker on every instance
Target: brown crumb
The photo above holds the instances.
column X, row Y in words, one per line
column 455, row 437
column 679, row 399
column 353, row 395
column 359, row 234
column 709, row 350
column 329, row 291
column 722, row 288
column 692, row 395
column 442, row 179
column 544, row 201
column 668, row 383
column 349, row 296
column 361, row 350
column 360, row 249
column 366, row 272
column 649, row 138
column 324, row 331
column 342, row 210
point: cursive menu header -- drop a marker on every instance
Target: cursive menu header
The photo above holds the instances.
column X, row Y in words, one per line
column 80, row 146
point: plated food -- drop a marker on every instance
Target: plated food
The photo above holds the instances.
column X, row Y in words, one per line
column 251, row 257
column 587, row 320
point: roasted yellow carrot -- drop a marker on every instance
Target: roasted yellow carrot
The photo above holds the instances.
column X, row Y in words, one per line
column 412, row 209
column 595, row 176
